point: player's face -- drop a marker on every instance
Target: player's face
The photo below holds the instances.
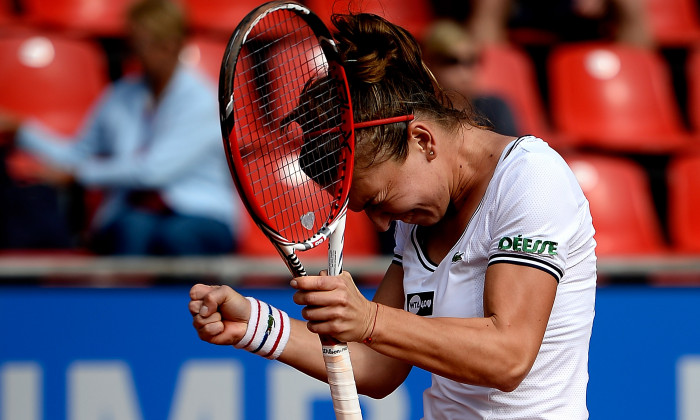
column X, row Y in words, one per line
column 399, row 191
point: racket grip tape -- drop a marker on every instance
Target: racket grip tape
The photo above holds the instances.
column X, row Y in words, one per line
column 341, row 380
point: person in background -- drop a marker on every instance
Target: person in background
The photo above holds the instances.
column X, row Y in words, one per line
column 453, row 57
column 538, row 27
column 153, row 146
column 625, row 21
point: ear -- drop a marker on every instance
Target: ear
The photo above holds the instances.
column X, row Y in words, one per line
column 422, row 136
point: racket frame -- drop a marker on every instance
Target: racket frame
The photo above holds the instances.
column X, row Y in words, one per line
column 239, row 37
column 335, row 354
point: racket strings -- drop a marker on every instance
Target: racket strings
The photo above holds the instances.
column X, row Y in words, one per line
column 282, row 93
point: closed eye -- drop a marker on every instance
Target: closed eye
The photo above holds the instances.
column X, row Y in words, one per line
column 375, row 202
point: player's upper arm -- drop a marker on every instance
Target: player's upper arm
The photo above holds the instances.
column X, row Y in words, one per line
column 537, row 214
column 390, row 290
column 519, row 300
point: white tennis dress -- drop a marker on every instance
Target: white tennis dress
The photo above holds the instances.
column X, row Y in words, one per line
column 533, row 213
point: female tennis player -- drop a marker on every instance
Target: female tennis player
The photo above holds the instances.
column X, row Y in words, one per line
column 492, row 285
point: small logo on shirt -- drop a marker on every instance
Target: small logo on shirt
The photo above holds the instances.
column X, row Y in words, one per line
column 420, row 303
column 532, row 246
column 457, row 257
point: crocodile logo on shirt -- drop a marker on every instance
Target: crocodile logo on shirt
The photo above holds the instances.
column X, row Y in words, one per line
column 457, row 257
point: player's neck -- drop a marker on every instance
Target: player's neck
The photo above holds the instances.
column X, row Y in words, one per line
column 475, row 162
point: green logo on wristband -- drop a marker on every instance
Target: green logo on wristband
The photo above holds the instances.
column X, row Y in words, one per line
column 270, row 323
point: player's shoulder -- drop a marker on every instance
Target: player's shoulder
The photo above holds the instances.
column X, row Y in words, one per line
column 530, row 156
column 529, row 149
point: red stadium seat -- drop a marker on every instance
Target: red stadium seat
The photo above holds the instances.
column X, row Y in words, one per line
column 205, row 53
column 615, row 97
column 674, row 22
column 7, row 15
column 87, row 17
column 271, row 181
column 361, row 240
column 693, row 78
column 621, row 205
column 413, row 15
column 507, row 72
column 218, row 16
column 52, row 78
column 684, row 203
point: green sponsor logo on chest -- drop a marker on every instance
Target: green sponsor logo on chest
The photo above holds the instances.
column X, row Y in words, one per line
column 532, row 246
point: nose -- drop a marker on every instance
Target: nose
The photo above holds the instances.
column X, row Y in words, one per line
column 381, row 221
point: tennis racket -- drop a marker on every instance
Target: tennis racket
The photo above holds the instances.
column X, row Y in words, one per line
column 287, row 126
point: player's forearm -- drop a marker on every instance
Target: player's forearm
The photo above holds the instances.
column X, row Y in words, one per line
column 303, row 351
column 469, row 350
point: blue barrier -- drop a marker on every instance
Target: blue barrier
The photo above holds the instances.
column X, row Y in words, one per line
column 131, row 354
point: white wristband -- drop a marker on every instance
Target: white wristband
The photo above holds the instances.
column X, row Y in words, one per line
column 252, row 323
column 268, row 330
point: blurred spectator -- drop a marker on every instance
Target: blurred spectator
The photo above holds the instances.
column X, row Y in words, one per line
column 153, row 145
column 561, row 21
column 538, row 26
column 453, row 57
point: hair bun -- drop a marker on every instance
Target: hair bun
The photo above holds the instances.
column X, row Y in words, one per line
column 368, row 46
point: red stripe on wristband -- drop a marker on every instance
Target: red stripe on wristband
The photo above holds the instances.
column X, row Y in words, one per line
column 279, row 336
column 257, row 322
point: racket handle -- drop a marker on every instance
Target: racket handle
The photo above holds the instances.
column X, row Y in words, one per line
column 346, row 403
column 335, row 248
column 336, row 355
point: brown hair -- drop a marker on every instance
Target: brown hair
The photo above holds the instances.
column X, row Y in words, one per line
column 164, row 19
column 388, row 78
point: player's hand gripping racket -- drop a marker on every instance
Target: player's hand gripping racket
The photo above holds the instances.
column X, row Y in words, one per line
column 287, row 125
